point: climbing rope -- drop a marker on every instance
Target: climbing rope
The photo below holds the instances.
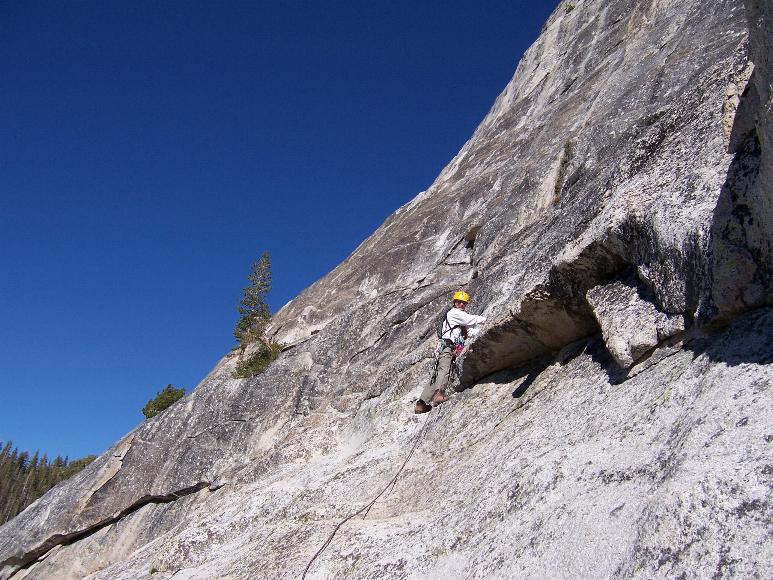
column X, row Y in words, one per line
column 366, row 507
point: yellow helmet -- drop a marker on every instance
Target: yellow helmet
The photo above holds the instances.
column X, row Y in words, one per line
column 461, row 295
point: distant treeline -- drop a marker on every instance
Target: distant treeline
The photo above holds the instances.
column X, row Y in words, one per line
column 23, row 479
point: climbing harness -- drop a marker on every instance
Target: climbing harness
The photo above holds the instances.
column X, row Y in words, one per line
column 366, row 507
column 454, row 368
column 441, row 330
column 441, row 322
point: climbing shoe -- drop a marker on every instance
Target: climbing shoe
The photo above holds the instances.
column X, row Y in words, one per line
column 439, row 397
column 421, row 407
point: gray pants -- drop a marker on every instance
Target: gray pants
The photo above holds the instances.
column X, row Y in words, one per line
column 443, row 372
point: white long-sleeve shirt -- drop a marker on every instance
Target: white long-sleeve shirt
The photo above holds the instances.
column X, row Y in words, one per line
column 457, row 317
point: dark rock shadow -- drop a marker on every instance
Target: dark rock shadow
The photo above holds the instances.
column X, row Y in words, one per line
column 740, row 276
column 598, row 352
column 528, row 373
column 740, row 260
column 521, row 390
column 747, row 340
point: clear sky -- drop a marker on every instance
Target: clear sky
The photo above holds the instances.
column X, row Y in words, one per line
column 150, row 151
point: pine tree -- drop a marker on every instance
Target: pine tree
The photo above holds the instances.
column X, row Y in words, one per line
column 29, row 476
column 253, row 321
column 254, row 313
column 23, row 480
column 45, row 481
column 78, row 464
column 6, row 477
column 162, row 401
column 21, row 461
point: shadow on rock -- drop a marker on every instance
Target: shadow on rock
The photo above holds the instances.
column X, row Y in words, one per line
column 748, row 340
column 740, row 252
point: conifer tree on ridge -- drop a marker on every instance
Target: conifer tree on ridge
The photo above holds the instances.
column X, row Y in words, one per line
column 253, row 311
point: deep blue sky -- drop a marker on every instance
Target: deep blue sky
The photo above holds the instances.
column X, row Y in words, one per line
column 150, row 151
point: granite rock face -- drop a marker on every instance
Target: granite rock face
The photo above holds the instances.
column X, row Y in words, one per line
column 611, row 216
column 630, row 323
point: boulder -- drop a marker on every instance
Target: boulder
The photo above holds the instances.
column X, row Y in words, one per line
column 630, row 323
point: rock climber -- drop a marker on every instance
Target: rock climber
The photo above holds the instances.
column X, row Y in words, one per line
column 456, row 327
